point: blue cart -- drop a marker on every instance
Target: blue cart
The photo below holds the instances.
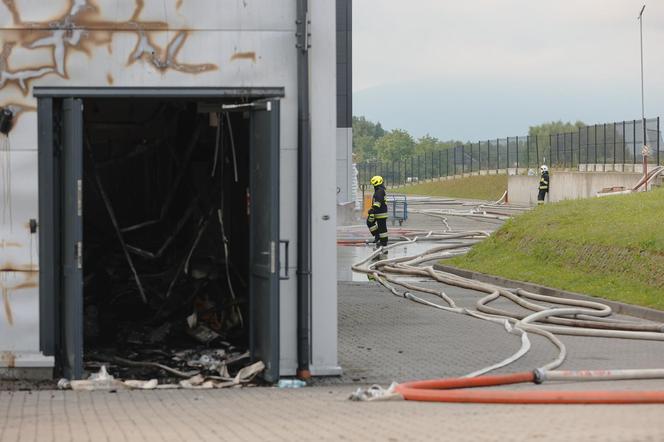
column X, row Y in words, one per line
column 397, row 206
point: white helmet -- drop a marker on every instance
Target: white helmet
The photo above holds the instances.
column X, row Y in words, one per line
column 544, row 168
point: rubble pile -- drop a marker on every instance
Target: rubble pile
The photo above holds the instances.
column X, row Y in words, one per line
column 166, row 250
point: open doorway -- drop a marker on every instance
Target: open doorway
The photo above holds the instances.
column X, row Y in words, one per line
column 174, row 231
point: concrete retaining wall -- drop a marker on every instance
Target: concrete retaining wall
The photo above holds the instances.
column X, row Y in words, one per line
column 523, row 189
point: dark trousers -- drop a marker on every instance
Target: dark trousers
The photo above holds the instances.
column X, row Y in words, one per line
column 541, row 195
column 378, row 229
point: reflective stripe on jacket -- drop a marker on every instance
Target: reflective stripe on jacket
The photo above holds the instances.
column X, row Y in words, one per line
column 378, row 204
column 544, row 181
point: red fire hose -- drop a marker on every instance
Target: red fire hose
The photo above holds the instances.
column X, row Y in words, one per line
column 454, row 390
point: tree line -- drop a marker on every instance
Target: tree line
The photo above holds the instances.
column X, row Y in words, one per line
column 373, row 143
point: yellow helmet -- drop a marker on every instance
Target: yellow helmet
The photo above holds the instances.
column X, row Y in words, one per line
column 377, row 180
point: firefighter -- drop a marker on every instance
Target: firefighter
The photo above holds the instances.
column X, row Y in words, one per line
column 377, row 216
column 543, row 184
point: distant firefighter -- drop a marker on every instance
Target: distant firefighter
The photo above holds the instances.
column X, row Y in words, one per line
column 377, row 216
column 543, row 184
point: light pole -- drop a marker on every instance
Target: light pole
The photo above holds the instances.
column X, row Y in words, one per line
column 640, row 19
column 643, row 107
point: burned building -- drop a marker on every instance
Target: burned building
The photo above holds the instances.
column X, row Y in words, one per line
column 165, row 180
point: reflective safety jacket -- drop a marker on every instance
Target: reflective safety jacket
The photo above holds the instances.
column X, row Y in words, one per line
column 378, row 204
column 544, row 181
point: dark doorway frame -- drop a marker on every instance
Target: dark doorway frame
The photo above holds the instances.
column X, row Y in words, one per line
column 51, row 198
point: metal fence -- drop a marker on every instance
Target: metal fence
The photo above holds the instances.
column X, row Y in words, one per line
column 612, row 144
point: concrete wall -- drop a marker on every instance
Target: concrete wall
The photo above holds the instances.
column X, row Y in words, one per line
column 523, row 189
column 171, row 43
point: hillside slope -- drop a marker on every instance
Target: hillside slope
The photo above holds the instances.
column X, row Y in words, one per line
column 484, row 187
column 611, row 247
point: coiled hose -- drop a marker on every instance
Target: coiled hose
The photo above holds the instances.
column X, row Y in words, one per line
column 575, row 317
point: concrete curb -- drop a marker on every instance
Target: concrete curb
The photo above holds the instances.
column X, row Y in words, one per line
column 617, row 307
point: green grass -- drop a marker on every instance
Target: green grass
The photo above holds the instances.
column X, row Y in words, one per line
column 484, row 187
column 611, row 247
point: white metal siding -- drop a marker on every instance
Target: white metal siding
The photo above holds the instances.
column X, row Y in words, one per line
column 215, row 43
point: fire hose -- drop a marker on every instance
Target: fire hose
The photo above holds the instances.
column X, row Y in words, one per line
column 569, row 317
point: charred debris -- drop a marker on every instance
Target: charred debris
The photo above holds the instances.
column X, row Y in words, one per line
column 166, row 240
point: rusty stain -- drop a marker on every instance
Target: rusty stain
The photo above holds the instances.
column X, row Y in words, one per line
column 244, row 56
column 13, row 10
column 4, row 244
column 9, row 266
column 8, row 359
column 109, row 78
column 26, row 268
column 29, row 279
column 138, row 10
column 19, row 77
column 163, row 60
column 178, row 4
column 8, row 308
column 78, row 27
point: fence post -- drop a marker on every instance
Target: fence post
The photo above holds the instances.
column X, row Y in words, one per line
column 431, row 172
column 658, row 163
column 645, row 133
column 497, row 155
column 604, row 142
column 447, row 156
column 440, row 163
column 517, row 154
column 614, row 146
column 587, row 144
column 424, row 164
column 634, row 142
column 405, row 169
column 579, row 146
column 454, row 160
column 624, row 144
column 595, row 143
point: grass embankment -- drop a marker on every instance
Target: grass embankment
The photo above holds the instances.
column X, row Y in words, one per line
column 484, row 187
column 611, row 247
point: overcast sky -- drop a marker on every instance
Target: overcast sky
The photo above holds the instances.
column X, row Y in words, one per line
column 474, row 69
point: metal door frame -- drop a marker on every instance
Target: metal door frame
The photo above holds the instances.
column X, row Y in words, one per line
column 266, row 272
column 50, row 182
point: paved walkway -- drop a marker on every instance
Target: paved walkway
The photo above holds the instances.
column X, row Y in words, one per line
column 269, row 414
column 382, row 338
